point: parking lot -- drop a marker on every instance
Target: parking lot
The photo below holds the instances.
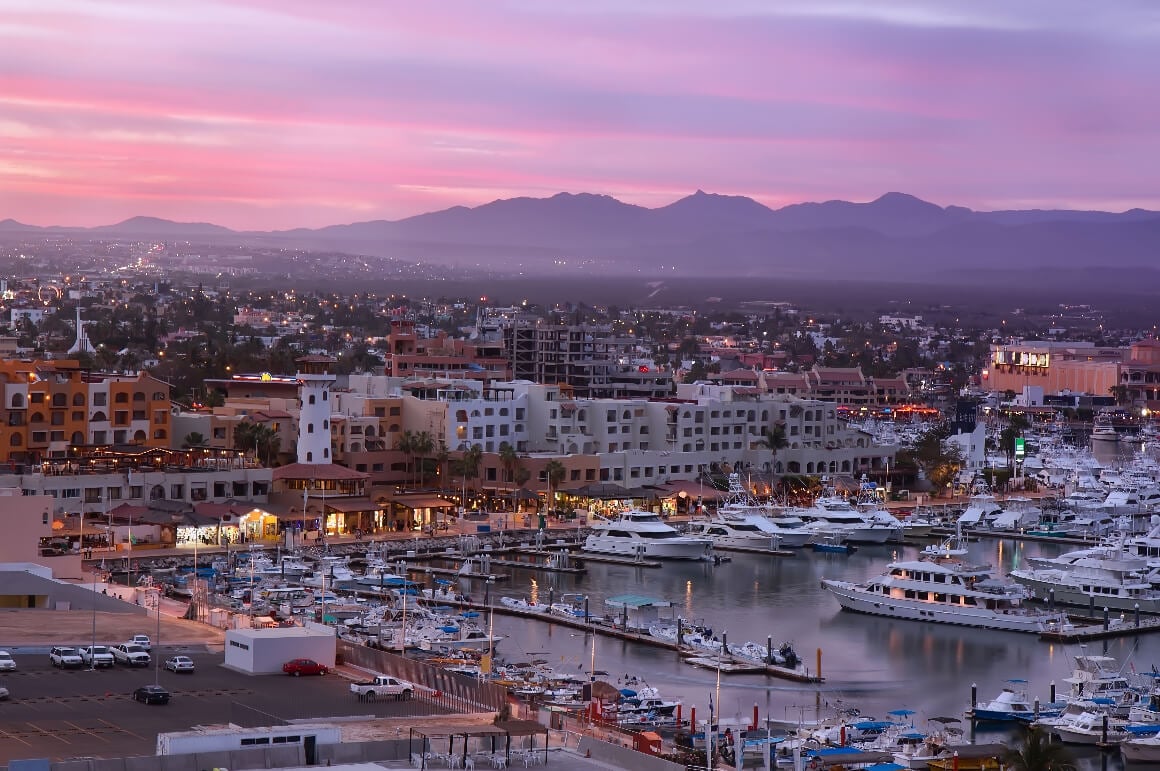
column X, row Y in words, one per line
column 60, row 714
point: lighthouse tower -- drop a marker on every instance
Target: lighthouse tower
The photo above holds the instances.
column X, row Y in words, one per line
column 315, row 379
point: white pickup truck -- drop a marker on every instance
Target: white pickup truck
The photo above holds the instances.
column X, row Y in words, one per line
column 382, row 686
column 96, row 656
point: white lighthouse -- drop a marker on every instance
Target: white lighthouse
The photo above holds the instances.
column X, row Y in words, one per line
column 315, row 379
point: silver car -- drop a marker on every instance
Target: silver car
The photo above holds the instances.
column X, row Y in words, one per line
column 6, row 662
column 179, row 664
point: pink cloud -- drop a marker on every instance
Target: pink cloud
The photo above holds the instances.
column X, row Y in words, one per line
column 264, row 114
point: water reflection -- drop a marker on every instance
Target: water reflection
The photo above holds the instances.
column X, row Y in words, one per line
column 877, row 663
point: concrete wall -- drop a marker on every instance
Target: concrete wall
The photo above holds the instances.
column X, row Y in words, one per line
column 265, row 757
column 252, row 651
column 624, row 757
column 22, row 584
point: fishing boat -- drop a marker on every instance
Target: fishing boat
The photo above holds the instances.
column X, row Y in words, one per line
column 1010, row 706
column 832, row 543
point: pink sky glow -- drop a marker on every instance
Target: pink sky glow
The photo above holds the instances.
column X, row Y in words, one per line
column 264, row 114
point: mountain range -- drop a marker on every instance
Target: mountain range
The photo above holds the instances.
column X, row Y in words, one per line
column 895, row 235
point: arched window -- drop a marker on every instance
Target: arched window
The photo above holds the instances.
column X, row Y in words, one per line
column 355, row 447
column 326, row 452
column 16, row 440
column 138, row 396
column 157, row 493
column 78, row 400
column 311, row 399
column 37, row 417
column 810, row 467
column 121, row 398
column 370, row 431
column 139, row 436
column 18, row 401
column 325, row 395
column 77, row 438
column 98, row 417
column 309, row 457
column 626, row 416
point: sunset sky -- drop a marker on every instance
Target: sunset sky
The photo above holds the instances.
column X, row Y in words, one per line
column 284, row 113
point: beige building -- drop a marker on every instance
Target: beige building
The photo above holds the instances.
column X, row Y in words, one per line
column 29, row 535
column 1055, row 367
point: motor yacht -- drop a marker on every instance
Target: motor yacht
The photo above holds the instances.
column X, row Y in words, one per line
column 833, row 513
column 945, row 591
column 643, row 534
column 749, row 531
column 1103, row 576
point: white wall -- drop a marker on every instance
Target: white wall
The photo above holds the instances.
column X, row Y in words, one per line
column 264, row 651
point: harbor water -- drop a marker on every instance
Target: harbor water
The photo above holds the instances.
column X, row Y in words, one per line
column 873, row 664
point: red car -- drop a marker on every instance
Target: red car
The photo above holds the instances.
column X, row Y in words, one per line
column 299, row 667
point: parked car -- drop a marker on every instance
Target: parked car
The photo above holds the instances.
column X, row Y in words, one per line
column 96, row 656
column 65, row 657
column 179, row 664
column 6, row 662
column 3, row 693
column 298, row 667
column 380, row 686
column 151, row 694
column 131, row 655
column 142, row 640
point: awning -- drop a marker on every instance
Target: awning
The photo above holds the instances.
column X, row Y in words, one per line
column 690, row 489
column 352, row 505
column 604, row 490
column 421, row 502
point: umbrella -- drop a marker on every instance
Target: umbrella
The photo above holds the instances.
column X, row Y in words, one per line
column 946, row 720
column 449, row 629
column 469, row 614
column 901, row 712
column 627, row 692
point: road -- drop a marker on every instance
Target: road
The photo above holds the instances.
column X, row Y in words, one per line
column 81, row 713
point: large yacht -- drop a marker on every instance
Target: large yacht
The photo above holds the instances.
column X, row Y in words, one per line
column 1105, row 577
column 639, row 533
column 834, row 514
column 752, row 531
column 945, row 591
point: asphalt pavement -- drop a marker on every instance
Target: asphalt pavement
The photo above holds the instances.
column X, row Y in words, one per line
column 81, row 713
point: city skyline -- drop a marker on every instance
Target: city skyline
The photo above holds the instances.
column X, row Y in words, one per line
column 261, row 115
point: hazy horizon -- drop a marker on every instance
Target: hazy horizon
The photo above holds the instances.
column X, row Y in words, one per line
column 261, row 115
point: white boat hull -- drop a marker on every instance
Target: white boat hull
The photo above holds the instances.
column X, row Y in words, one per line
column 1141, row 750
column 852, row 597
column 1068, row 595
column 666, row 548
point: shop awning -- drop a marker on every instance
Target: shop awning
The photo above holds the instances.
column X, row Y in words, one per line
column 421, row 502
column 352, row 505
column 690, row 489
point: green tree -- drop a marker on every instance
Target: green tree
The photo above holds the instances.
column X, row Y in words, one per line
column 406, row 445
column 773, row 439
column 939, row 461
column 1037, row 752
column 194, row 439
column 554, row 472
column 509, row 459
column 423, row 445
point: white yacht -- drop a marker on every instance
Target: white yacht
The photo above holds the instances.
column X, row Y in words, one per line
column 945, row 591
column 1132, row 494
column 982, row 508
column 643, row 534
column 834, row 514
column 1104, row 576
column 751, row 531
column 1103, row 430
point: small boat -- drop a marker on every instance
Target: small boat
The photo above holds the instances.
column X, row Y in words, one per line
column 1010, row 706
column 832, row 543
column 1144, row 748
column 519, row 603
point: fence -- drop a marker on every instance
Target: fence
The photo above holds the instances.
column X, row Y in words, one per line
column 449, row 690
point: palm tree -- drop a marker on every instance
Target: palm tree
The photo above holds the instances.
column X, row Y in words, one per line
column 441, row 456
column 406, row 445
column 554, row 472
column 472, row 457
column 1038, row 753
column 423, row 446
column 509, row 459
column 192, row 440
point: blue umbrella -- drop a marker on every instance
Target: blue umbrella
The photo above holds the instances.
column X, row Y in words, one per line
column 901, row 712
column 449, row 629
column 627, row 692
column 469, row 614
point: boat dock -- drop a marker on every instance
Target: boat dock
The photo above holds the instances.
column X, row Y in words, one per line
column 1121, row 625
column 755, row 550
column 729, row 664
column 457, row 574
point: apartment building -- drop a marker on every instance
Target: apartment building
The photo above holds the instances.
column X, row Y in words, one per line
column 54, row 409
